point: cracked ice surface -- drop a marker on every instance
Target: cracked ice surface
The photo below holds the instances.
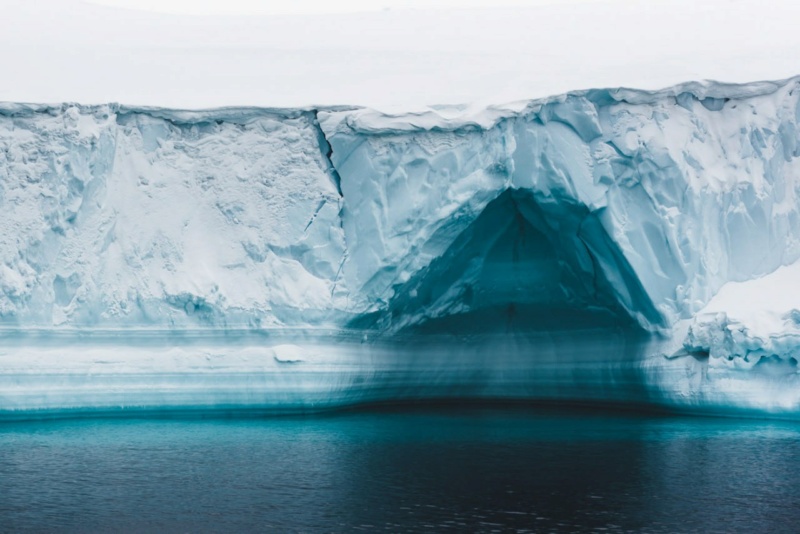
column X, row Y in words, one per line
column 126, row 218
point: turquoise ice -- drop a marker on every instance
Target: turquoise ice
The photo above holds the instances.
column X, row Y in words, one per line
column 558, row 249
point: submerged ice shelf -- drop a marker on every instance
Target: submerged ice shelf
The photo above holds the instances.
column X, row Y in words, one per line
column 583, row 247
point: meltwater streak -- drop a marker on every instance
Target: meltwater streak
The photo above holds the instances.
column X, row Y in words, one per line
column 295, row 371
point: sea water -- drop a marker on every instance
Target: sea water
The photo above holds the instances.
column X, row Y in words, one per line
column 495, row 469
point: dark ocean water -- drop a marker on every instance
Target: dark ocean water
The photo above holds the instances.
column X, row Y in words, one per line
column 438, row 470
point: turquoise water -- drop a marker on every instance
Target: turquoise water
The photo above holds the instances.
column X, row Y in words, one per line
column 444, row 469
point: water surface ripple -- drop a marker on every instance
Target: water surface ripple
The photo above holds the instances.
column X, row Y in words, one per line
column 444, row 469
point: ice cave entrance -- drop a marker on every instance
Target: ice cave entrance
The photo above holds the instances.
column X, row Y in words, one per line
column 524, row 264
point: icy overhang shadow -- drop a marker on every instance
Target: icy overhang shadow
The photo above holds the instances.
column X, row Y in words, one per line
column 525, row 264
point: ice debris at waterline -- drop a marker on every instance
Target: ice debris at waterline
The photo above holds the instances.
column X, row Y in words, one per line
column 600, row 246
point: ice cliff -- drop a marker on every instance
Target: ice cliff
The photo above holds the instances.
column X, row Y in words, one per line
column 599, row 245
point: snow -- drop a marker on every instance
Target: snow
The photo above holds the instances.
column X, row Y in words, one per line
column 397, row 60
column 128, row 218
column 775, row 293
column 747, row 323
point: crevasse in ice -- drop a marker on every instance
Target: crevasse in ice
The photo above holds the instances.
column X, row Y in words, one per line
column 595, row 246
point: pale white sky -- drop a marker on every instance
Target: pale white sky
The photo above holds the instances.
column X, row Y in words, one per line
column 407, row 57
column 267, row 7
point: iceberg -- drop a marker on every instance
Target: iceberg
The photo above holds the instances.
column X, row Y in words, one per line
column 603, row 245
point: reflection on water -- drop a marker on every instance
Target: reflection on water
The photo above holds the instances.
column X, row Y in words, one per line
column 434, row 470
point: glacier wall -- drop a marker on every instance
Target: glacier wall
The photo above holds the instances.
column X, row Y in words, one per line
column 554, row 249
column 666, row 198
column 119, row 218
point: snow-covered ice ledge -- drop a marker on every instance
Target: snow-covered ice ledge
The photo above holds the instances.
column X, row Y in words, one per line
column 564, row 248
